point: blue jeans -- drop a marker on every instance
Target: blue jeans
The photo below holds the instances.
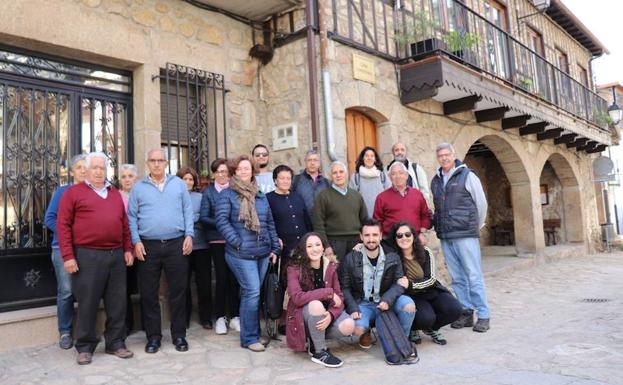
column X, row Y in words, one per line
column 64, row 298
column 463, row 260
column 369, row 311
column 250, row 274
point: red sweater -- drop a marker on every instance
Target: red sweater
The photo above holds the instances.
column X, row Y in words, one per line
column 87, row 220
column 391, row 207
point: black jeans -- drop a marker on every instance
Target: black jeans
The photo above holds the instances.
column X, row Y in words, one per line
column 165, row 255
column 200, row 261
column 341, row 247
column 101, row 274
column 132, row 288
column 436, row 310
column 227, row 296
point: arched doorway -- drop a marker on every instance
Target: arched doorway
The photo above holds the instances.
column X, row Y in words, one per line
column 360, row 132
column 561, row 203
column 511, row 212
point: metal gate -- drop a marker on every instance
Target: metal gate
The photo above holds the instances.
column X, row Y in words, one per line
column 50, row 110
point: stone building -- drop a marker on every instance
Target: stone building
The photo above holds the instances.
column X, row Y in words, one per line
column 509, row 84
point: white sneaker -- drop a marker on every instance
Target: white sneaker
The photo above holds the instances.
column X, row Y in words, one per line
column 221, row 326
column 235, row 324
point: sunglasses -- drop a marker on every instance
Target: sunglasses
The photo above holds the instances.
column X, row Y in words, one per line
column 261, row 154
column 408, row 234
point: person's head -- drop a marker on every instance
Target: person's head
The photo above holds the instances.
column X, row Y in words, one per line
column 310, row 249
column 79, row 168
column 370, row 234
column 242, row 168
column 369, row 158
column 282, row 175
column 312, row 161
column 220, row 171
column 399, row 175
column 190, row 177
column 127, row 176
column 445, row 156
column 260, row 156
column 156, row 161
column 339, row 174
column 96, row 168
column 399, row 150
column 404, row 237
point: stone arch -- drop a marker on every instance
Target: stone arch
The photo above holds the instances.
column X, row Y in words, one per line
column 516, row 165
column 572, row 221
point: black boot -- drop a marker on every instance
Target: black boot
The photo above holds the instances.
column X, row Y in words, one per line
column 465, row 320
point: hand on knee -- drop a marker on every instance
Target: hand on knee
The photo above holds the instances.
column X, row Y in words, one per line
column 316, row 308
column 347, row 327
column 409, row 308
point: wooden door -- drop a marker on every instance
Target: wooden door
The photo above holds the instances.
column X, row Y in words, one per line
column 360, row 132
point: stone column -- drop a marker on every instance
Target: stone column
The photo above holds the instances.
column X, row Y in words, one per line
column 527, row 217
column 147, row 121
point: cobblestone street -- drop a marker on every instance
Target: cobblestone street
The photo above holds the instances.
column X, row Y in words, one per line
column 544, row 330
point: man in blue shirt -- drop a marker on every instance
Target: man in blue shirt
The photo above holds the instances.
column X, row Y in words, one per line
column 64, row 298
column 160, row 215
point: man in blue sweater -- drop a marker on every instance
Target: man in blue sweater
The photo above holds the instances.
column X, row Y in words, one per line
column 160, row 215
column 64, row 298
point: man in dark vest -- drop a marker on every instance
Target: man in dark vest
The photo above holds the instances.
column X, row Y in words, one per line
column 460, row 213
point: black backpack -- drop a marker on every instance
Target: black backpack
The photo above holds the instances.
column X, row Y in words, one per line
column 397, row 348
column 273, row 294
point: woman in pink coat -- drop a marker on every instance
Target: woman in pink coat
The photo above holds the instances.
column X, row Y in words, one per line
column 316, row 304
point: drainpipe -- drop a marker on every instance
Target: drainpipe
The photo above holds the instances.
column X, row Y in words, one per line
column 313, row 71
column 326, row 82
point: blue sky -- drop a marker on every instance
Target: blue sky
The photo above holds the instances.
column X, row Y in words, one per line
column 605, row 19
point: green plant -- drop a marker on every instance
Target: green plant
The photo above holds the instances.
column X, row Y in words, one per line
column 526, row 83
column 204, row 173
column 460, row 40
column 418, row 28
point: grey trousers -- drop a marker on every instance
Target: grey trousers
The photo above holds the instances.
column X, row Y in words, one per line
column 318, row 337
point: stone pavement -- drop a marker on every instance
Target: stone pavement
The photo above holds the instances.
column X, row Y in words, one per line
column 542, row 333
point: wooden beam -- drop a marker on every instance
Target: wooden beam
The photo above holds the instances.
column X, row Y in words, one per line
column 515, row 121
column 591, row 144
column 490, row 114
column 597, row 149
column 567, row 138
column 579, row 142
column 460, row 105
column 549, row 134
column 533, row 128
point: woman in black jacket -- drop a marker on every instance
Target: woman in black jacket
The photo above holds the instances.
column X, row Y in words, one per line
column 436, row 307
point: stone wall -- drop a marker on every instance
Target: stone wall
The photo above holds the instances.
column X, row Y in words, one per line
column 554, row 209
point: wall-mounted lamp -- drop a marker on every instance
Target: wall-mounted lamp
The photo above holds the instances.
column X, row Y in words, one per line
column 614, row 110
column 540, row 5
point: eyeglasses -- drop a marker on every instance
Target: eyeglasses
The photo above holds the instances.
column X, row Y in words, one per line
column 261, row 154
column 408, row 234
column 221, row 172
column 157, row 160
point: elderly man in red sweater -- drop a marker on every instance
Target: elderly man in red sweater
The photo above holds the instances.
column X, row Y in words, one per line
column 95, row 244
column 402, row 203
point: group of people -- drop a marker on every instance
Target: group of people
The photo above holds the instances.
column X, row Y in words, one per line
column 348, row 248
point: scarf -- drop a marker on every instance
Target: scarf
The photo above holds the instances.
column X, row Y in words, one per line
column 365, row 172
column 246, row 195
column 220, row 187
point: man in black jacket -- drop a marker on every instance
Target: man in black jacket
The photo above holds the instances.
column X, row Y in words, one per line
column 372, row 281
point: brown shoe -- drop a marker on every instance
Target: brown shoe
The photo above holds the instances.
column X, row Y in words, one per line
column 121, row 353
column 84, row 358
column 365, row 340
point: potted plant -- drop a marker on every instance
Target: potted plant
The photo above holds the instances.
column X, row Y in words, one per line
column 204, row 178
column 460, row 43
column 526, row 84
column 419, row 34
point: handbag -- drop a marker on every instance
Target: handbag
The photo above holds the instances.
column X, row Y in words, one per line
column 397, row 348
column 273, row 295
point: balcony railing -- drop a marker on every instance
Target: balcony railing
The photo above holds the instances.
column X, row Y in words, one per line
column 413, row 29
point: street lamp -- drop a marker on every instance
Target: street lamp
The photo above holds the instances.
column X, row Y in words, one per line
column 614, row 110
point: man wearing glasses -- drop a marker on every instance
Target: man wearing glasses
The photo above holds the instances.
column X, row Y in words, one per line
column 160, row 214
column 264, row 177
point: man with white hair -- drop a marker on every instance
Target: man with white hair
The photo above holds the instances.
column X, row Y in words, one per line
column 417, row 176
column 161, row 223
column 460, row 213
column 401, row 203
column 339, row 212
column 95, row 243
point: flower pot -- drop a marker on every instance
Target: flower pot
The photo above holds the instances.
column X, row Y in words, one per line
column 426, row 46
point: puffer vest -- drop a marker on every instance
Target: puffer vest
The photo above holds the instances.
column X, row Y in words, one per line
column 456, row 214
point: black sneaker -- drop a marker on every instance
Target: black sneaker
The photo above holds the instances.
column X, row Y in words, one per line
column 325, row 358
column 66, row 342
column 482, row 325
column 465, row 320
column 436, row 335
column 414, row 337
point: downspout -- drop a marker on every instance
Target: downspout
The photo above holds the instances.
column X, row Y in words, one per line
column 313, row 71
column 326, row 82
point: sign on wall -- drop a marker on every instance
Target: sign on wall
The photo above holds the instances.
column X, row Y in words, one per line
column 364, row 69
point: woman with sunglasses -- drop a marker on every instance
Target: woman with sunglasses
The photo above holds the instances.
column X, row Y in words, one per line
column 436, row 307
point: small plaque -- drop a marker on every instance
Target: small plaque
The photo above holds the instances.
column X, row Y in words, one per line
column 364, row 69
